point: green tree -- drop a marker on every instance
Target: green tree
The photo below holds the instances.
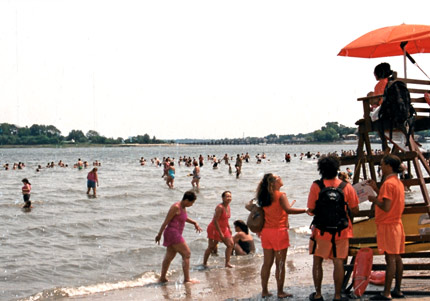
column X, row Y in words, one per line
column 36, row 130
column 22, row 132
column 52, row 131
column 77, row 136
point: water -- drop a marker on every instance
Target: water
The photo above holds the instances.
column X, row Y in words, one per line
column 72, row 245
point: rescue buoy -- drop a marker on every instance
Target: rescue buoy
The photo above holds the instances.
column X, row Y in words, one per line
column 362, row 268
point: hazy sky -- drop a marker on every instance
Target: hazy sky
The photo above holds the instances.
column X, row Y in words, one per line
column 191, row 69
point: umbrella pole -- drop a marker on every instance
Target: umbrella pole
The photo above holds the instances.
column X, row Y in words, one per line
column 404, row 61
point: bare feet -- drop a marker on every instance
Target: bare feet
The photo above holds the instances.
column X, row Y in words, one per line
column 191, row 281
column 284, row 295
column 266, row 295
column 163, row 280
column 229, row 265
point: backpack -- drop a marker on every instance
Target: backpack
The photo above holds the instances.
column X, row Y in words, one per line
column 331, row 211
column 396, row 108
column 255, row 221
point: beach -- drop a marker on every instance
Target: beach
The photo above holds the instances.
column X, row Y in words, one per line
column 243, row 283
column 74, row 247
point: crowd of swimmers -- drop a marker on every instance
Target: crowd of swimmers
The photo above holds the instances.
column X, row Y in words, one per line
column 168, row 165
column 169, row 171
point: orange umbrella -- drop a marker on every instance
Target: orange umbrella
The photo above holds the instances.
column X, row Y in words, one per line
column 386, row 41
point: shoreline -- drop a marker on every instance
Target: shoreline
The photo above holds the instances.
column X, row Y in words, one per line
column 243, row 283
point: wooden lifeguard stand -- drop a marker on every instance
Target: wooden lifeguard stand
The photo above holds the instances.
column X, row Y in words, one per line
column 416, row 216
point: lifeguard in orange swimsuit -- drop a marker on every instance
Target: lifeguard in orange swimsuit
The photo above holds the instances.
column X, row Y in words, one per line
column 390, row 234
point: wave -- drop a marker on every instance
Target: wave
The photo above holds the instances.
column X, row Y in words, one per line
column 148, row 278
column 301, row 231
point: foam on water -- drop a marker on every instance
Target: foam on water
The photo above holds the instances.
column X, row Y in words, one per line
column 145, row 279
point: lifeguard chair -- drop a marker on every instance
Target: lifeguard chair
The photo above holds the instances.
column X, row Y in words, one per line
column 416, row 215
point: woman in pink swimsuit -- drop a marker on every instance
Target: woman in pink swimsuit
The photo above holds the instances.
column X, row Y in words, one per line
column 219, row 230
column 172, row 227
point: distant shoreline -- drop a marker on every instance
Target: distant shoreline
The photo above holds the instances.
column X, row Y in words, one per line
column 83, row 145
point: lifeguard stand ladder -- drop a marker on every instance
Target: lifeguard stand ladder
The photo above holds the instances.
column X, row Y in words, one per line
column 416, row 216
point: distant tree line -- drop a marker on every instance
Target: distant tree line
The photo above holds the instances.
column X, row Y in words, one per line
column 11, row 134
column 331, row 132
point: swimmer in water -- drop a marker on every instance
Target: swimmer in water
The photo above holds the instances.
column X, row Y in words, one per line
column 26, row 189
column 170, row 175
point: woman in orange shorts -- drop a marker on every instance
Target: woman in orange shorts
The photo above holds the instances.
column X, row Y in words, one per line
column 219, row 230
column 390, row 234
column 274, row 236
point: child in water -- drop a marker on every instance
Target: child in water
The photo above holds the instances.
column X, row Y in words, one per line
column 26, row 189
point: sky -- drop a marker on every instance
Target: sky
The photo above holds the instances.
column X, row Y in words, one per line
column 191, row 69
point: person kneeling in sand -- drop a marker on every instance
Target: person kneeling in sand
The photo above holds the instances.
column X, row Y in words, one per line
column 172, row 227
column 243, row 241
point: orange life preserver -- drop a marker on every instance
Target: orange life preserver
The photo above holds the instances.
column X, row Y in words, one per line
column 362, row 268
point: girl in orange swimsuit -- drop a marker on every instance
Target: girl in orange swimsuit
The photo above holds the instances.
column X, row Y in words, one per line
column 219, row 230
column 274, row 236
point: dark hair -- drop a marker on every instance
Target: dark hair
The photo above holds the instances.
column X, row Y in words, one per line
column 241, row 224
column 383, row 70
column 265, row 190
column 25, row 180
column 394, row 162
column 328, row 166
column 224, row 193
column 343, row 176
column 190, row 196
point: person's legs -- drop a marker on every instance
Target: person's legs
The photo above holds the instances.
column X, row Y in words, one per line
column 269, row 256
column 185, row 252
column 229, row 248
column 390, row 259
column 381, row 127
column 94, row 190
column 338, row 274
column 170, row 254
column 280, row 259
column 317, row 274
column 399, row 275
column 238, row 250
column 212, row 244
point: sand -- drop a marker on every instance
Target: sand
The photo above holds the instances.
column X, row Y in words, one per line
column 243, row 283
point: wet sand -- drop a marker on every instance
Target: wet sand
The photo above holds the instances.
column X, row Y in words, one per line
column 243, row 283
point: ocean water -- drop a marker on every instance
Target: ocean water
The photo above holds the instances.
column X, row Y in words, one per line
column 72, row 245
